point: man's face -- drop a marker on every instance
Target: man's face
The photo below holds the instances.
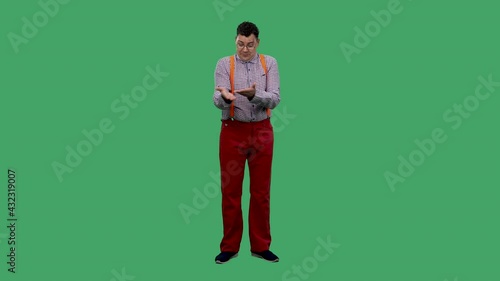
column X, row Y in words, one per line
column 246, row 47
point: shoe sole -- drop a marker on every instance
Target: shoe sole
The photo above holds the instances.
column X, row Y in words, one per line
column 261, row 257
column 223, row 262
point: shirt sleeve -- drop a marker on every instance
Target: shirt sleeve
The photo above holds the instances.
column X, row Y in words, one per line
column 271, row 97
column 222, row 80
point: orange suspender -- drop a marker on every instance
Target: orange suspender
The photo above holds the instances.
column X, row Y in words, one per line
column 231, row 78
column 263, row 63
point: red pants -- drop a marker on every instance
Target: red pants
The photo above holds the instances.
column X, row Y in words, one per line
column 241, row 142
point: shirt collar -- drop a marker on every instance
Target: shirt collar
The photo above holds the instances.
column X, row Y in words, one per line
column 253, row 60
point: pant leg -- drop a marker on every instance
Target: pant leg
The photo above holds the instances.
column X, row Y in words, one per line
column 259, row 164
column 232, row 164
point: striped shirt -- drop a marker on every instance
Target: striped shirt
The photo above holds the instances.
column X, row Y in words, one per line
column 267, row 95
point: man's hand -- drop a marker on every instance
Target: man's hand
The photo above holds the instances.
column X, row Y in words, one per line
column 225, row 93
column 247, row 92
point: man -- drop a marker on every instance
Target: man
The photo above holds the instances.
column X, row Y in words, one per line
column 246, row 136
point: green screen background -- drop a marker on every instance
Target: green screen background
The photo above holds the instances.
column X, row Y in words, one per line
column 339, row 127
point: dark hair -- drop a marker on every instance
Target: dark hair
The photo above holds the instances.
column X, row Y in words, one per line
column 246, row 29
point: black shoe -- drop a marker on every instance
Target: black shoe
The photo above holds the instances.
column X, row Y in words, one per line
column 224, row 257
column 266, row 255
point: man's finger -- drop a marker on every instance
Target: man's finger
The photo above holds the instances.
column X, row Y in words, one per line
column 244, row 90
column 246, row 94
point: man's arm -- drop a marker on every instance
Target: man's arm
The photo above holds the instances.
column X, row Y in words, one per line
column 271, row 97
column 222, row 98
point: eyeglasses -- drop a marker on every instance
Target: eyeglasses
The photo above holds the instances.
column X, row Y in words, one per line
column 250, row 46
